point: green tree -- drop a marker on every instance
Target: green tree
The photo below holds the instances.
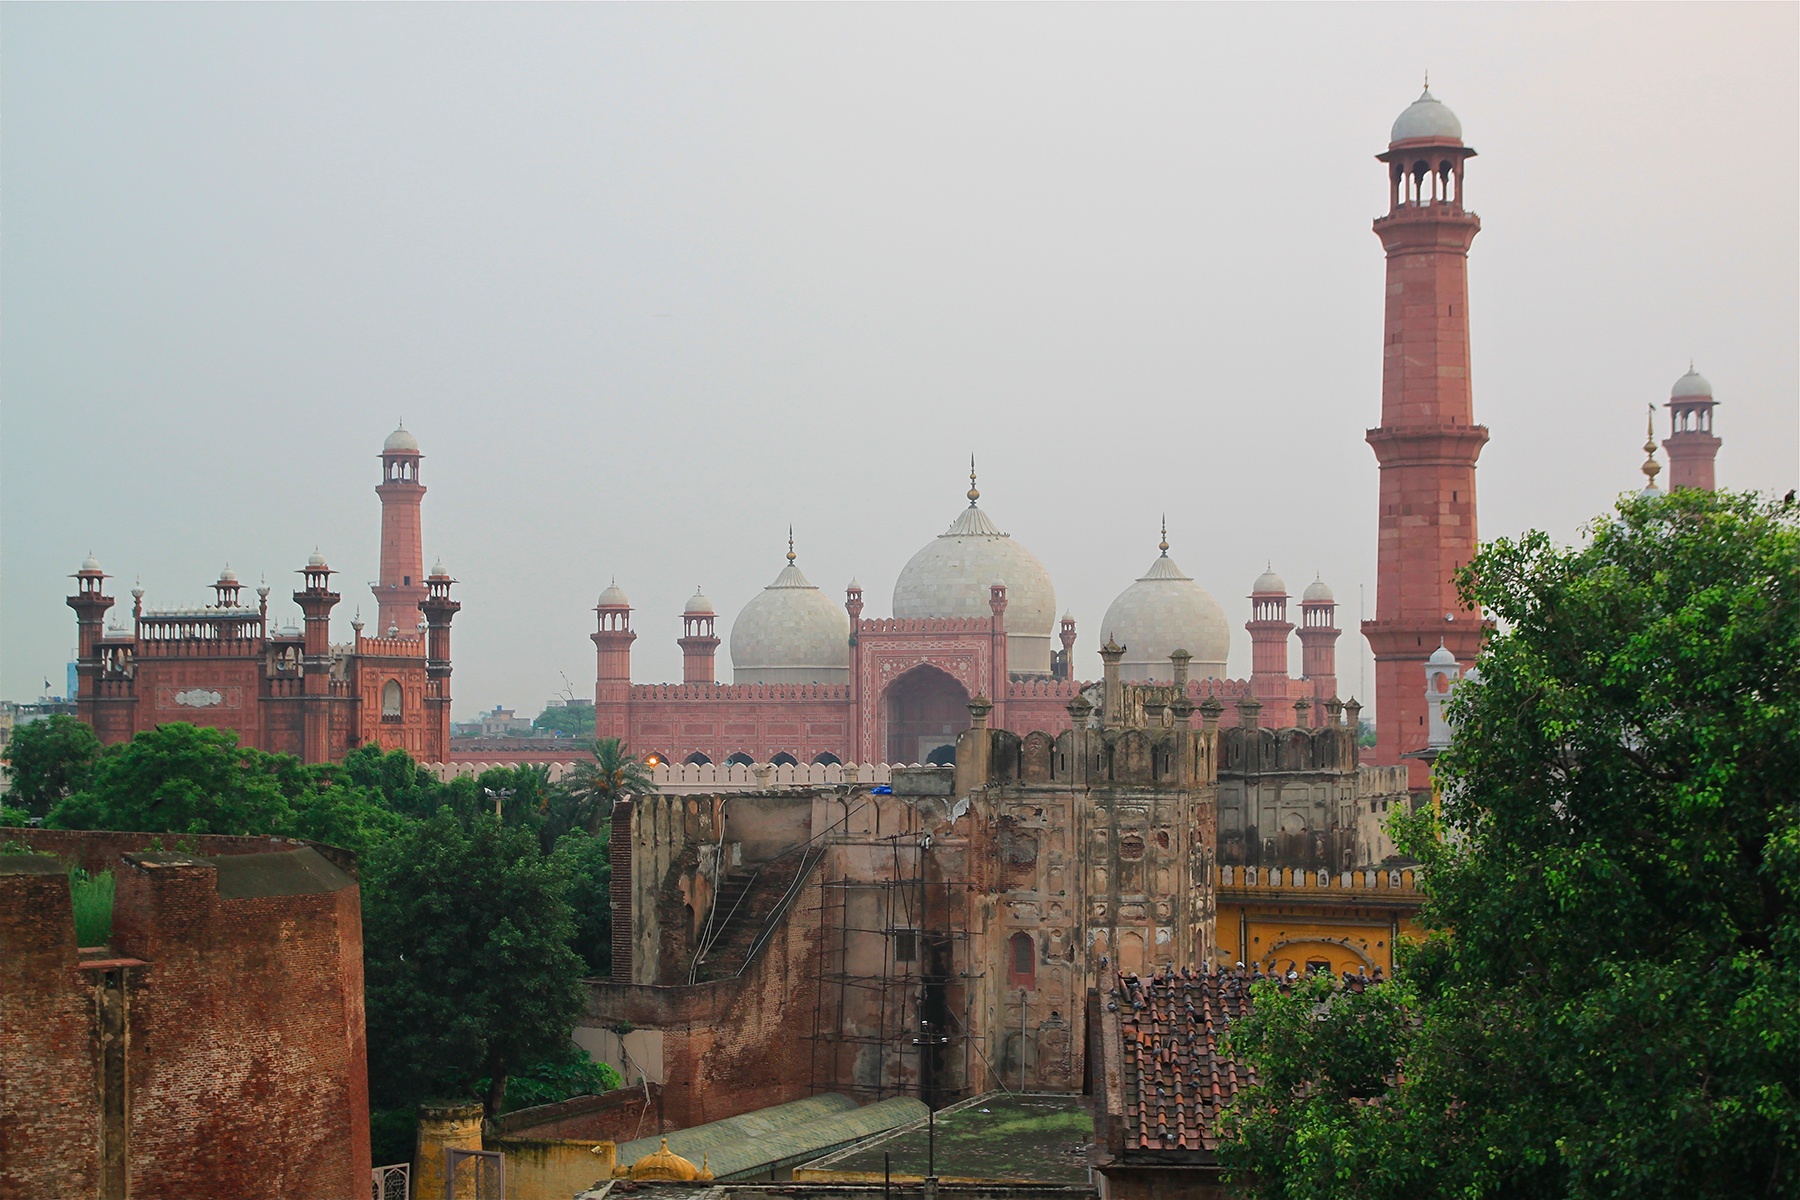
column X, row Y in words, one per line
column 468, row 969
column 49, row 760
column 1609, row 1002
column 185, row 779
column 571, row 721
column 594, row 787
column 588, row 860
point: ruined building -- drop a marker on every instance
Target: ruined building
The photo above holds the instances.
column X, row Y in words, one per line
column 937, row 936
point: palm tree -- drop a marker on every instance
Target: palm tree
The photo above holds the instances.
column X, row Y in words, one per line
column 596, row 786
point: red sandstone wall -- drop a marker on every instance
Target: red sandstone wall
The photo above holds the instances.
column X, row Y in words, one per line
column 49, row 1109
column 247, row 1065
column 718, row 724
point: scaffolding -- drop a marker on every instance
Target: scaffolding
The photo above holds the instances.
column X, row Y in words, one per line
column 894, row 972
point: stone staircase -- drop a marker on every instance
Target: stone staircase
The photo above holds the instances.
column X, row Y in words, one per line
column 746, row 902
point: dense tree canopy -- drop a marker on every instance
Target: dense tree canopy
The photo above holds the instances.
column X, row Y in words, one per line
column 1609, row 1004
column 49, row 761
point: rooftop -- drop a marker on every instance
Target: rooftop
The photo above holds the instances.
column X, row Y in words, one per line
column 1001, row 1136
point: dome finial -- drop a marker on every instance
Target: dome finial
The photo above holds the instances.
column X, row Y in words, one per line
column 1164, row 544
column 1650, row 467
column 974, row 492
column 790, row 553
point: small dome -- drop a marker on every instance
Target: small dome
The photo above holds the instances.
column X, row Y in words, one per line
column 1427, row 117
column 439, row 571
column 613, row 597
column 228, row 575
column 664, row 1165
column 1318, row 592
column 1269, row 584
column 400, row 442
column 90, row 563
column 1441, row 657
column 1691, row 385
column 790, row 633
column 315, row 559
column 951, row 575
column 1162, row 612
column 698, row 605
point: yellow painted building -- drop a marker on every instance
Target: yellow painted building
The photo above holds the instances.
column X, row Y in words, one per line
column 1347, row 921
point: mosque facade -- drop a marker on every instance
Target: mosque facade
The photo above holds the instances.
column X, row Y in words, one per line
column 974, row 617
column 284, row 689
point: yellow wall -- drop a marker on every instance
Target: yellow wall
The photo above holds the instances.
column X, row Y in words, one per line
column 1350, row 921
column 554, row 1169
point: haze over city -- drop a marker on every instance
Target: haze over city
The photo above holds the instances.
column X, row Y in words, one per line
column 651, row 283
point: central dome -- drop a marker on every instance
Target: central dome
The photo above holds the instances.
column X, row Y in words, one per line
column 790, row 633
column 1165, row 611
column 950, row 577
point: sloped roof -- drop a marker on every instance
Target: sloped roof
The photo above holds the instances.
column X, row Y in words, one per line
column 753, row 1143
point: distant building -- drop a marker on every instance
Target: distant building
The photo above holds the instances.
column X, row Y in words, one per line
column 503, row 722
column 290, row 690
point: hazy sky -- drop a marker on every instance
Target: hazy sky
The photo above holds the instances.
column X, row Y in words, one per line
column 649, row 283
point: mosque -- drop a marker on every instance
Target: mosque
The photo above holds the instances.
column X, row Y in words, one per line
column 974, row 615
column 974, row 611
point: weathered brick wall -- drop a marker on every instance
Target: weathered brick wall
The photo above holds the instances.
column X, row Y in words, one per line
column 98, row 850
column 245, row 1054
column 49, row 1109
column 734, row 1045
column 622, row 1115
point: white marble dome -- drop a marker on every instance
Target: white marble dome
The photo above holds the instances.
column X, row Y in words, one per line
column 791, row 632
column 698, row 605
column 613, row 597
column 1691, row 384
column 1162, row 612
column 1269, row 584
column 1427, row 117
column 1318, row 591
column 400, row 442
column 90, row 563
column 951, row 575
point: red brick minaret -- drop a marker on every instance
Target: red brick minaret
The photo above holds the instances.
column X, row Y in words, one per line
column 612, row 663
column 1318, row 646
column 1691, row 444
column 316, row 600
column 699, row 641
column 402, row 587
column 438, row 608
column 1269, row 630
column 1428, row 441
column 90, row 603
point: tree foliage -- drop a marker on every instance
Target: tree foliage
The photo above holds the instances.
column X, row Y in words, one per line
column 594, row 787
column 468, row 967
column 571, row 721
column 1609, row 1002
column 49, row 761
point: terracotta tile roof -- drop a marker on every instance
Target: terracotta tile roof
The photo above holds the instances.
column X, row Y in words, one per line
column 1175, row 1079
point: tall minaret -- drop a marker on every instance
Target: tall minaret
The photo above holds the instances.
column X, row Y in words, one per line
column 1692, row 445
column 402, row 587
column 1428, row 441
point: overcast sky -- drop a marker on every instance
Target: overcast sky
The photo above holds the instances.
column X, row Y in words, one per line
column 649, row 283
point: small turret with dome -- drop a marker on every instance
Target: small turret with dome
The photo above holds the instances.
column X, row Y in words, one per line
column 1692, row 444
column 952, row 577
column 1426, row 119
column 699, row 640
column 1162, row 612
column 790, row 632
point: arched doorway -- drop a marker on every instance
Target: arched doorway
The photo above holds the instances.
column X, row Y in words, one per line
column 925, row 710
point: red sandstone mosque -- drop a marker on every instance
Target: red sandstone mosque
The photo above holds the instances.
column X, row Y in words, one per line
column 285, row 689
column 974, row 611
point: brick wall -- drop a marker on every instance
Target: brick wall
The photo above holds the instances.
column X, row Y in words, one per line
column 238, row 981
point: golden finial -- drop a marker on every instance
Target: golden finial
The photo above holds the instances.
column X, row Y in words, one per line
column 1164, row 544
column 790, row 544
column 974, row 492
column 1650, row 467
column 1428, row 79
